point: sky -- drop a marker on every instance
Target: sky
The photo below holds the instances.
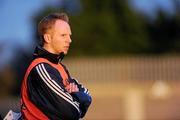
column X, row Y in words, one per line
column 150, row 7
column 16, row 23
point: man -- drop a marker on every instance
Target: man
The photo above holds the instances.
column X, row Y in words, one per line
column 48, row 91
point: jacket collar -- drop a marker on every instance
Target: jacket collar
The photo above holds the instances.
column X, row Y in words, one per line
column 54, row 58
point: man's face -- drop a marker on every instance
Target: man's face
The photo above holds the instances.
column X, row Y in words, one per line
column 60, row 37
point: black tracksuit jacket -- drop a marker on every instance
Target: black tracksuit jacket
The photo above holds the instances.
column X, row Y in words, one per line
column 47, row 92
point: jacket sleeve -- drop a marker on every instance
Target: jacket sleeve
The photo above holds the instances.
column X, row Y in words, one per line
column 47, row 92
column 83, row 97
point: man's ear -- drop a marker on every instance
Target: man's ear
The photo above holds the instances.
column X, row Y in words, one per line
column 47, row 38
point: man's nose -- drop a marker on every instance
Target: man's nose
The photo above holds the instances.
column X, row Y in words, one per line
column 69, row 39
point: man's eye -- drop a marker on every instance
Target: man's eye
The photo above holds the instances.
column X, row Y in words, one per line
column 63, row 35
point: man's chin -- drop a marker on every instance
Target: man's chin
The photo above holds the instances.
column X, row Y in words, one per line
column 65, row 52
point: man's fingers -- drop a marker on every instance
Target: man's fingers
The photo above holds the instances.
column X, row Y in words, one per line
column 75, row 88
column 72, row 87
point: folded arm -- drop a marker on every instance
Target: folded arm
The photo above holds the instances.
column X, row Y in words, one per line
column 47, row 92
column 82, row 96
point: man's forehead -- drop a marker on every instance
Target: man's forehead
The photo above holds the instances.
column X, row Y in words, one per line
column 62, row 23
column 62, row 26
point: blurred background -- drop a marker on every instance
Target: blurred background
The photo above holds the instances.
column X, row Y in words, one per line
column 125, row 51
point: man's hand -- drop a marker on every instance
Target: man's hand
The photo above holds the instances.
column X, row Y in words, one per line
column 72, row 87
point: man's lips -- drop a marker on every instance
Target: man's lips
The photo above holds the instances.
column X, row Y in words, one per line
column 66, row 47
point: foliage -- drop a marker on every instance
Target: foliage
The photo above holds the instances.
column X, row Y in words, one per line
column 107, row 27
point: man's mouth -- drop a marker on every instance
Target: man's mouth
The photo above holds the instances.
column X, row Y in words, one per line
column 66, row 47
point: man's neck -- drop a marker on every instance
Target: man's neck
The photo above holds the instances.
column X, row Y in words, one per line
column 48, row 48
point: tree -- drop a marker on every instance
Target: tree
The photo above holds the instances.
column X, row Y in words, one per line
column 108, row 27
column 164, row 33
column 105, row 27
